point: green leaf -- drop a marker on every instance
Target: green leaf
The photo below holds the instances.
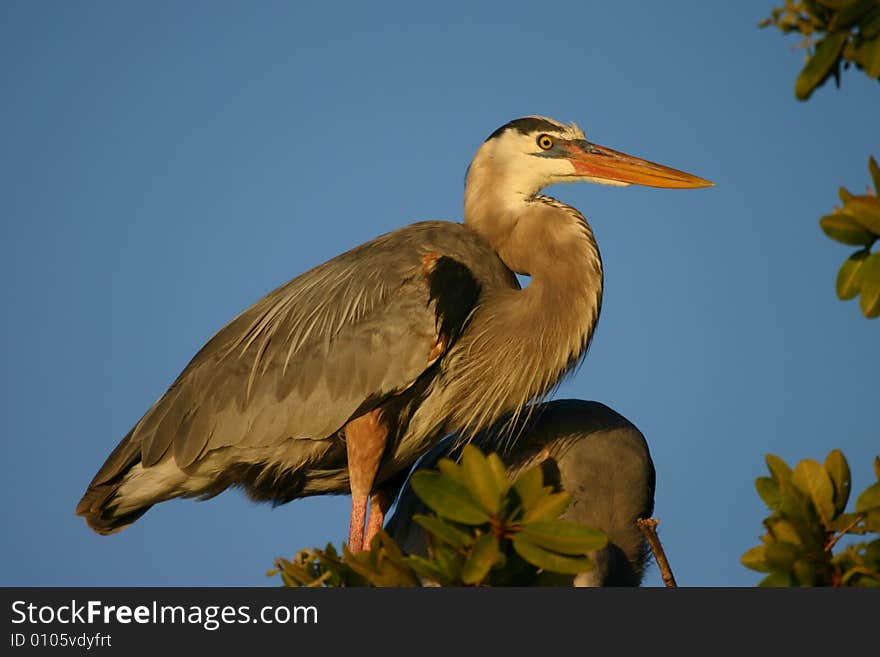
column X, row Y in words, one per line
column 388, row 545
column 850, row 15
column 484, row 555
column 383, row 564
column 449, row 560
column 844, row 194
column 871, row 58
column 836, row 4
column 768, row 489
column 480, row 479
column 838, row 470
column 813, row 479
column 291, row 581
column 529, row 485
column 781, row 556
column 778, row 468
column 872, row 521
column 870, row 286
column 430, row 570
column 820, row 65
column 817, row 12
column 394, row 573
column 795, row 504
column 550, row 507
column 875, row 173
column 877, row 466
column 447, row 498
column 443, row 531
column 870, row 26
column 869, row 499
column 783, row 531
column 566, row 537
column 451, row 469
column 776, row 579
column 754, row 559
column 843, row 521
column 499, row 472
column 846, row 230
column 865, row 211
column 295, row 575
column 805, row 573
column 538, row 556
column 872, row 556
column 850, row 275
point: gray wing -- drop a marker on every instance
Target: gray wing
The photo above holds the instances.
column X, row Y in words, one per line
column 302, row 360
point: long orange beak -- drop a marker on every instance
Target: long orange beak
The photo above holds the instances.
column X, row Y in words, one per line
column 603, row 163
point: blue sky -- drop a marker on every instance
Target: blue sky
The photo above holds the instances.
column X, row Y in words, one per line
column 165, row 164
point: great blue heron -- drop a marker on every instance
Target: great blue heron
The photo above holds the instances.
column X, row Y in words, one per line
column 585, row 448
column 344, row 376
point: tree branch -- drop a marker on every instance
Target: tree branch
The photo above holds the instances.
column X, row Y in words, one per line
column 832, row 541
column 649, row 529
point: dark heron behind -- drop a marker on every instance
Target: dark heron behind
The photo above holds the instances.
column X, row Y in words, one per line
column 585, row 448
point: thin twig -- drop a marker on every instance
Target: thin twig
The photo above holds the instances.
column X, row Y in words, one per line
column 649, row 529
column 833, row 540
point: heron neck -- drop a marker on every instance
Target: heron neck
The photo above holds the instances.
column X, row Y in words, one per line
column 553, row 244
column 545, row 239
column 521, row 342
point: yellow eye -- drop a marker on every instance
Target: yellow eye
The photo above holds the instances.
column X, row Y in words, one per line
column 545, row 142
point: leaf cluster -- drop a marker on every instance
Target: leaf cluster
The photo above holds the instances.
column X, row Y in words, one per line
column 836, row 33
column 808, row 519
column 484, row 530
column 857, row 223
column 383, row 565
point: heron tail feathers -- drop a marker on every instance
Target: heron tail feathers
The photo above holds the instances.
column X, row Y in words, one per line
column 99, row 506
column 101, row 503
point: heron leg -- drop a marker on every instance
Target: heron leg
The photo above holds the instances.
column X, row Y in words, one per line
column 365, row 438
column 380, row 501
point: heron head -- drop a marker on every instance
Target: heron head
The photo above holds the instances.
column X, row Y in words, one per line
column 533, row 152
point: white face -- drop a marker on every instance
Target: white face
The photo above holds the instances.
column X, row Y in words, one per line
column 528, row 155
